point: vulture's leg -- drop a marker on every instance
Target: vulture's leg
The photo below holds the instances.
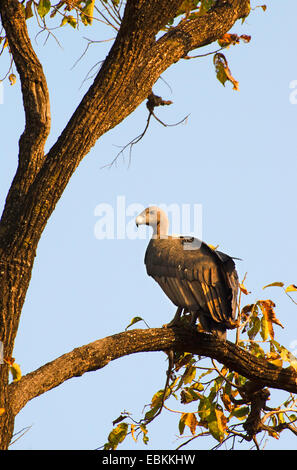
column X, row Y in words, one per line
column 176, row 319
column 194, row 316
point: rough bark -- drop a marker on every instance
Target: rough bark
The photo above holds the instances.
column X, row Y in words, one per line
column 98, row 354
column 135, row 62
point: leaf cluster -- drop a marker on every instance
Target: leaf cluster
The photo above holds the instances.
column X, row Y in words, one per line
column 212, row 400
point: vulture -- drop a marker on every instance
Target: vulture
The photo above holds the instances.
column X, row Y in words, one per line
column 199, row 280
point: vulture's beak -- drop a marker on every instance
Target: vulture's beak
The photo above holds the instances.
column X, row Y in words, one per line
column 139, row 220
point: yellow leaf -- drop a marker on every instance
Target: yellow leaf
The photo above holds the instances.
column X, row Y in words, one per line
column 291, row 288
column 132, row 432
column 232, row 39
column 277, row 284
column 189, row 375
column 12, row 78
column 16, row 372
column 243, row 289
column 227, row 402
column 2, row 411
column 286, row 355
column 87, row 12
column 222, row 420
column 190, row 420
column 214, row 248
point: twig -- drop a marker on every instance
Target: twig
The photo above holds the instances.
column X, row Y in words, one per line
column 187, row 57
column 90, row 41
column 152, row 101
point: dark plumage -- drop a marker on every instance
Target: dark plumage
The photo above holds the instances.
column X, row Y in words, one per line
column 196, row 278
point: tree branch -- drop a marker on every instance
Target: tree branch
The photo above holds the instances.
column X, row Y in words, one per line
column 98, row 354
column 35, row 99
column 125, row 79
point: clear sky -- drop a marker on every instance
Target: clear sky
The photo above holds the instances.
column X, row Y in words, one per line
column 235, row 156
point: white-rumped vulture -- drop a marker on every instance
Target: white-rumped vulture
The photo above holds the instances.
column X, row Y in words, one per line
column 197, row 279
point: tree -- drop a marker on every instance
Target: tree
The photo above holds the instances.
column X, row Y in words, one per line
column 137, row 58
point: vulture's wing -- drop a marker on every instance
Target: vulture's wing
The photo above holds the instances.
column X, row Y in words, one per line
column 194, row 276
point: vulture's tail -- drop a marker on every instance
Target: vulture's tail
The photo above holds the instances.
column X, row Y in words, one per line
column 213, row 327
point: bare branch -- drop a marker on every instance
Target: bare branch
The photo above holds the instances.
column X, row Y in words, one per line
column 98, row 354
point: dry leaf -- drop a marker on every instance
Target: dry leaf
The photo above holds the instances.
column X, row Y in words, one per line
column 277, row 284
column 243, row 289
column 223, row 71
column 267, row 307
column 12, row 78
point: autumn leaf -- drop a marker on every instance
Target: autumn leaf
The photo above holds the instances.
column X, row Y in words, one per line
column 223, row 71
column 12, row 78
column 132, row 432
column 274, row 358
column 16, row 372
column 87, row 12
column 267, row 307
column 232, row 39
column 190, row 420
column 227, row 402
column 286, row 355
column 144, row 434
column 189, row 375
column 28, row 10
column 243, row 289
column 217, row 424
column 2, row 411
column 277, row 284
column 291, row 288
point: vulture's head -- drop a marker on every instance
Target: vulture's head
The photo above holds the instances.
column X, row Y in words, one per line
column 155, row 218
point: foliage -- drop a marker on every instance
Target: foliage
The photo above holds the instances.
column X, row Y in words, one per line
column 74, row 13
column 212, row 400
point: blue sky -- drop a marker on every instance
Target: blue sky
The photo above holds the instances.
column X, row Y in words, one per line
column 235, row 155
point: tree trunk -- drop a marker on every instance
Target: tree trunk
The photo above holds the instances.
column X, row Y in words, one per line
column 15, row 276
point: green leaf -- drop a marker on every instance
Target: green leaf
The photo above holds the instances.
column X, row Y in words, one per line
column 43, row 7
column 240, row 412
column 133, row 321
column 254, row 329
column 189, row 374
column 181, row 424
column 144, row 432
column 151, row 413
column 206, row 5
column 217, row 424
column 116, row 436
column 222, row 70
column 72, row 21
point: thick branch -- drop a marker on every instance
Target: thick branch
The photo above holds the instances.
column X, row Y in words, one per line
column 35, row 99
column 98, row 354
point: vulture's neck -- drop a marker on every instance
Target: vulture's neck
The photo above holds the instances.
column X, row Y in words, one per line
column 160, row 229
